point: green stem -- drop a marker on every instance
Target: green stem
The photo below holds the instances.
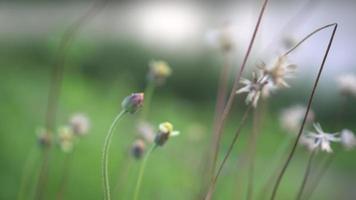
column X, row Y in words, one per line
column 105, row 160
column 26, row 174
column 306, row 175
column 141, row 172
column 150, row 88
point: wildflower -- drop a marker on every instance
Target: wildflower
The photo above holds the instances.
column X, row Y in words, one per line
column 159, row 71
column 253, row 88
column 347, row 84
column 278, row 72
column 80, row 124
column 66, row 139
column 165, row 131
column 306, row 142
column 138, row 148
column 133, row 103
column 323, row 139
column 146, row 131
column 221, row 38
column 291, row 118
column 44, row 138
column 348, row 139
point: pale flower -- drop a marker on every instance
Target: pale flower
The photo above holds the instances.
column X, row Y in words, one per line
column 348, row 139
column 253, row 88
column 221, row 38
column 291, row 118
column 347, row 84
column 80, row 124
column 159, row 71
column 279, row 71
column 66, row 139
column 322, row 139
column 146, row 131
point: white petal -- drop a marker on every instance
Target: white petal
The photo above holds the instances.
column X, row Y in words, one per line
column 174, row 133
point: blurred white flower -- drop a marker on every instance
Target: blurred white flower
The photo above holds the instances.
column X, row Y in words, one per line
column 66, row 139
column 291, row 118
column 306, row 142
column 146, row 131
column 159, row 71
column 347, row 84
column 221, row 38
column 348, row 139
column 80, row 124
column 279, row 71
column 322, row 139
column 253, row 88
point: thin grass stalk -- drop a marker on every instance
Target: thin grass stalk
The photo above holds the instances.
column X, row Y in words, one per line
column 282, row 149
column 123, row 170
column 291, row 154
column 55, row 89
column 306, row 174
column 27, row 172
column 141, row 172
column 230, row 101
column 231, row 146
column 252, row 149
column 315, row 183
column 67, row 163
column 149, row 91
column 105, row 161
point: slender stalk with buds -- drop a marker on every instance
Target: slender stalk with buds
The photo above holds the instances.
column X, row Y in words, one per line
column 231, row 98
column 290, row 156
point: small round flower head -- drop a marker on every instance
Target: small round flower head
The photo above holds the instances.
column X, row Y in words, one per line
column 322, row 139
column 221, row 38
column 347, row 84
column 66, row 139
column 133, row 103
column 165, row 131
column 253, row 88
column 80, row 124
column 146, row 131
column 138, row 148
column 279, row 71
column 44, row 138
column 348, row 139
column 159, row 71
column 292, row 117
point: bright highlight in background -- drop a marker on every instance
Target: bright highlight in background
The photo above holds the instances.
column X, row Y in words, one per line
column 169, row 23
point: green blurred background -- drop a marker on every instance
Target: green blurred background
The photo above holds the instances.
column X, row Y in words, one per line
column 100, row 72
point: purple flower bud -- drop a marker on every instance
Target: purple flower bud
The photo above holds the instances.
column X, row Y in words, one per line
column 133, row 102
column 138, row 148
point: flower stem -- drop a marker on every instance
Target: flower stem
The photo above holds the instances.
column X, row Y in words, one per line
column 231, row 98
column 65, row 174
column 150, row 88
column 232, row 144
column 319, row 176
column 26, row 173
column 306, row 174
column 291, row 154
column 105, row 172
column 141, row 172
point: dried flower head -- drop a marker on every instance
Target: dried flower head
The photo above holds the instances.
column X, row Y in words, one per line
column 322, row 139
column 279, row 71
column 291, row 118
column 347, row 84
column 348, row 139
column 221, row 37
column 138, row 148
column 146, row 131
column 80, row 124
column 44, row 138
column 159, row 71
column 133, row 103
column 253, row 88
column 66, row 139
column 165, row 131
